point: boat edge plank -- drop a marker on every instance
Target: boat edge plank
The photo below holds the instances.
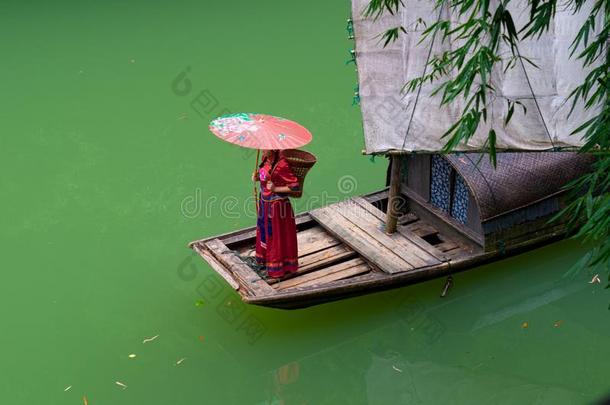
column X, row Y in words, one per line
column 216, row 266
column 303, row 278
column 229, row 259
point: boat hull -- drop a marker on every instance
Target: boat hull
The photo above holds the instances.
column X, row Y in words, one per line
column 343, row 253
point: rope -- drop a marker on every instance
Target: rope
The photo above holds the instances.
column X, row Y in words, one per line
column 527, row 78
column 440, row 11
column 524, row 71
column 253, row 264
column 502, row 246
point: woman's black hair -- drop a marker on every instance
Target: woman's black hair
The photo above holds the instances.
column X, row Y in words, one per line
column 276, row 157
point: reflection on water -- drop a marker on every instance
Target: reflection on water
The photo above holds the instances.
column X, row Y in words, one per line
column 470, row 347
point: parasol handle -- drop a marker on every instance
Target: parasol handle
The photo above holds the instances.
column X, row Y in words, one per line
column 258, row 151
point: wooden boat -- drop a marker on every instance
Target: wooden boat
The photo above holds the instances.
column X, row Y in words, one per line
column 441, row 213
column 344, row 249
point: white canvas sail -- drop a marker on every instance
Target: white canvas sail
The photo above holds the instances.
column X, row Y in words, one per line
column 395, row 120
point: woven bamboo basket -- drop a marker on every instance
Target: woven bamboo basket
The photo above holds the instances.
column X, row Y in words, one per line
column 300, row 162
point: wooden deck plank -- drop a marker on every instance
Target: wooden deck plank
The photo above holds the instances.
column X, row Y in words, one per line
column 294, row 282
column 216, row 266
column 445, row 246
column 456, row 250
column 421, row 229
column 402, row 230
column 319, row 259
column 412, row 252
column 240, row 269
column 422, row 243
column 309, row 241
column 373, row 227
column 339, row 275
column 315, row 239
column 360, row 241
column 325, row 255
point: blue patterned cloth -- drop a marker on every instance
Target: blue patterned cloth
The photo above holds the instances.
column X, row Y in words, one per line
column 439, row 187
column 459, row 207
column 452, row 202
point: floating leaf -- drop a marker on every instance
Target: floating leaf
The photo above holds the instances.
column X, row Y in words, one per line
column 150, row 339
column 595, row 279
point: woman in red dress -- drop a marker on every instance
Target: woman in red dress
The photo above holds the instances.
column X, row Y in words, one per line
column 276, row 236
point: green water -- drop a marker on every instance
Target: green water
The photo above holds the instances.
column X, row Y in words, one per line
column 108, row 171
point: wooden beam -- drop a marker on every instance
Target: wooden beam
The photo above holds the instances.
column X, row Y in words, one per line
column 318, row 260
column 320, row 273
column 337, row 275
column 237, row 267
column 371, row 226
column 372, row 250
column 216, row 266
column 315, row 239
column 410, row 237
column 393, row 195
column 444, row 223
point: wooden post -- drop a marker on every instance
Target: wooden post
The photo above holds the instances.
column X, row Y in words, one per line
column 392, row 211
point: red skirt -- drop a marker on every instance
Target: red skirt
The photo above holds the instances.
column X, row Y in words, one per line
column 276, row 236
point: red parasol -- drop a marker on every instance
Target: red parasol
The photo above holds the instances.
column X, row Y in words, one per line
column 260, row 131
